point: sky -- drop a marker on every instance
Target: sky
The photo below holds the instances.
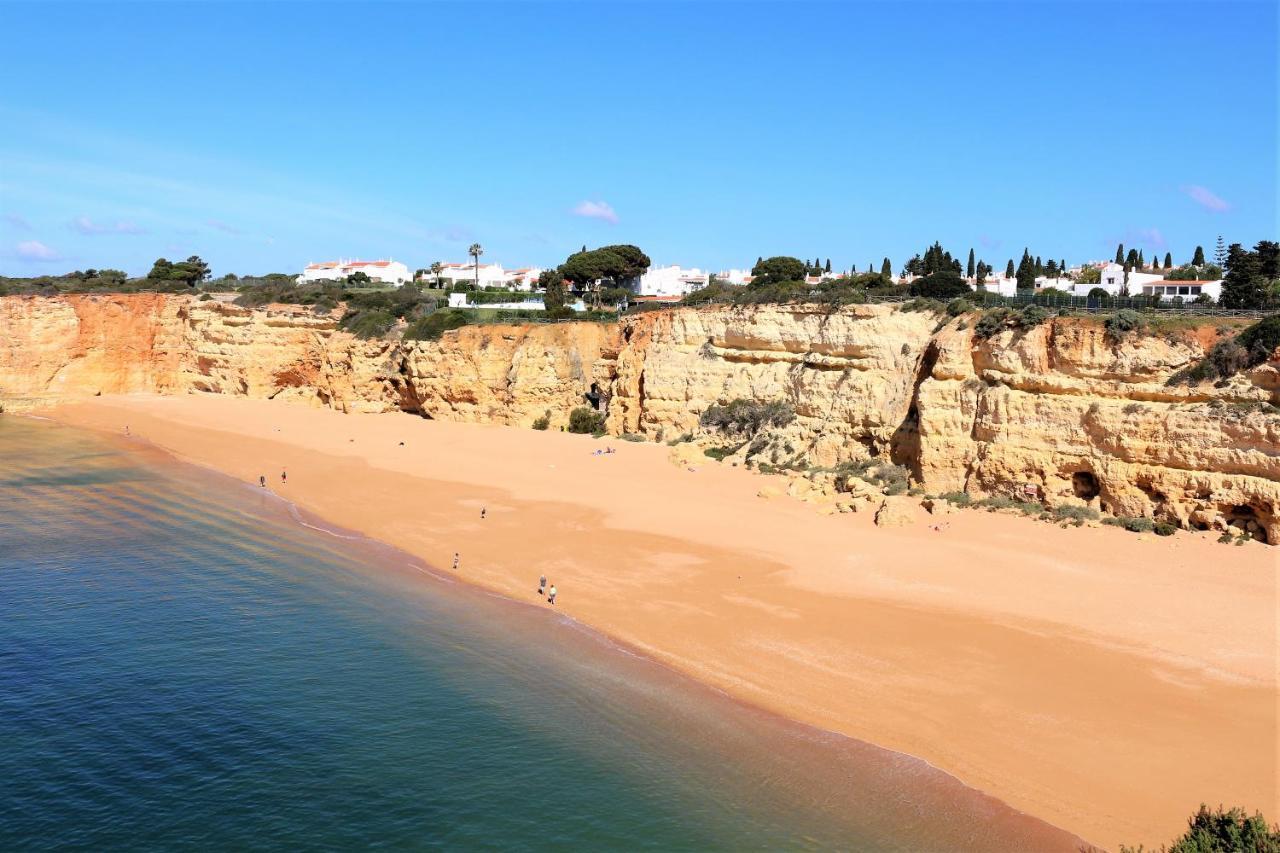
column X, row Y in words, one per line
column 265, row 136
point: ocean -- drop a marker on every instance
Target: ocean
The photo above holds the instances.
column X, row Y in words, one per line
column 186, row 662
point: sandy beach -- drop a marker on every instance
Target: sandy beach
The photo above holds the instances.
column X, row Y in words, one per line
column 1105, row 682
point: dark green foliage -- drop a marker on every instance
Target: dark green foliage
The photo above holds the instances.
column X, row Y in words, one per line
column 1008, row 270
column 992, row 322
column 1075, row 513
column 1133, row 525
column 1207, row 272
column 746, row 418
column 191, row 272
column 1164, row 528
column 1198, row 259
column 777, row 270
column 957, row 498
column 373, row 323
column 1248, row 349
column 542, row 422
column 1223, row 831
column 956, row 307
column 936, row 259
column 971, row 270
column 886, row 269
column 586, row 421
column 1246, row 284
column 1026, row 273
column 945, row 284
column 1030, row 317
column 1122, row 322
column 1168, row 260
column 1120, row 253
column 719, row 453
column 435, row 324
column 890, row 479
column 1261, row 339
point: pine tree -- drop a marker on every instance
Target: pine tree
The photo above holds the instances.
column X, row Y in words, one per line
column 1039, row 267
column 1062, row 266
column 886, row 269
column 972, row 270
column 1198, row 259
column 828, row 265
column 1155, row 262
column 1120, row 254
column 1131, row 259
column 1026, row 272
column 1168, row 260
column 1220, row 253
column 1008, row 270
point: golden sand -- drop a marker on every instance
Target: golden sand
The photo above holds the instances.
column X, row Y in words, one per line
column 1105, row 682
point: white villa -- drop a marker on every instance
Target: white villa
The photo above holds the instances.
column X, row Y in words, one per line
column 671, row 280
column 489, row 275
column 1112, row 280
column 386, row 272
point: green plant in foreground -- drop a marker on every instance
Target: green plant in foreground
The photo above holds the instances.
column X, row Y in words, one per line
column 1222, row 831
column 585, row 421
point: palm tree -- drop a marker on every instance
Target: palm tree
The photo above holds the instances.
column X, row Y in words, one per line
column 475, row 252
column 436, row 269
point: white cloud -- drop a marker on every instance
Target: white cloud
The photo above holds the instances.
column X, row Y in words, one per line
column 223, row 227
column 85, row 225
column 596, row 210
column 15, row 220
column 1206, row 198
column 34, row 250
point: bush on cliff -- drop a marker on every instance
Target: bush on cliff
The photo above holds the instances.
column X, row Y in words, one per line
column 1248, row 349
column 747, row 417
column 435, row 324
column 940, row 285
column 1122, row 322
column 368, row 324
column 586, row 421
column 1222, row 831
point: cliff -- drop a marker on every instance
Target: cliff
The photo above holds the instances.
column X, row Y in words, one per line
column 1060, row 413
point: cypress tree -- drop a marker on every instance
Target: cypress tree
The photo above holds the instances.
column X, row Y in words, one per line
column 1155, row 262
column 1168, row 260
column 1198, row 259
column 1142, row 262
column 1008, row 270
column 972, row 270
column 828, row 265
column 1039, row 268
column 886, row 269
column 1120, row 254
column 1062, row 266
column 1131, row 259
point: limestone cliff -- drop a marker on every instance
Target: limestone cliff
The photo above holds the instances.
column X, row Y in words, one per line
column 1061, row 412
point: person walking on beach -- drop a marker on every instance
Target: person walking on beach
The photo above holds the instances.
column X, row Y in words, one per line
column 283, row 475
column 551, row 595
column 542, row 585
column 262, row 480
column 456, row 560
column 483, row 510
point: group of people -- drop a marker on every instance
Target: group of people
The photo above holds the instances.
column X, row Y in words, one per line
column 262, row 478
column 549, row 594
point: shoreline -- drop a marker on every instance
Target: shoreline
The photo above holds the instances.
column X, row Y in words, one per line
column 752, row 642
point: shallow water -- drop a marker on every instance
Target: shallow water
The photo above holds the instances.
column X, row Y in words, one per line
column 185, row 665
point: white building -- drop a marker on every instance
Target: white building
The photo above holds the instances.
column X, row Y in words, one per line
column 672, row 280
column 385, row 272
column 463, row 300
column 998, row 284
column 525, row 278
column 1189, row 291
column 736, row 277
column 488, row 275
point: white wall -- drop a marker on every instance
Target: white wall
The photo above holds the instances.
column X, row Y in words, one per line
column 671, row 281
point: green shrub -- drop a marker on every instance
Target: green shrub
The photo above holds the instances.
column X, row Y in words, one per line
column 1076, row 513
column 1223, row 831
column 1133, row 525
column 1123, row 322
column 719, row 453
column 957, row 498
column 1261, row 339
column 1098, row 293
column 543, row 422
column 1030, row 317
column 744, row 417
column 921, row 303
column 585, row 421
column 956, row 307
column 368, row 324
column 631, row 436
column 432, row 326
column 940, row 285
column 992, row 322
column 1164, row 528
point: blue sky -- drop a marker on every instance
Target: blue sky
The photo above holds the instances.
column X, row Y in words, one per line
column 263, row 136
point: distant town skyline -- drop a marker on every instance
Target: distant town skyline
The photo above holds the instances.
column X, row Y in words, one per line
column 265, row 137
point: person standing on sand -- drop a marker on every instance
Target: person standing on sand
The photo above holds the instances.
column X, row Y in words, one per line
column 456, row 559
column 542, row 585
column 283, row 475
column 551, row 595
column 262, row 480
column 483, row 510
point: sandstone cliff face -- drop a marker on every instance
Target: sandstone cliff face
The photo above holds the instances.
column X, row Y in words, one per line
column 1062, row 412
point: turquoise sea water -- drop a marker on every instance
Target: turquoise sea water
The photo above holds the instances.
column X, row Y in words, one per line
column 185, row 665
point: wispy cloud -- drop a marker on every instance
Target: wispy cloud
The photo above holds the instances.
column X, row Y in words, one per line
column 219, row 225
column 1145, row 238
column 1206, row 198
column 14, row 220
column 988, row 242
column 596, row 210
column 34, row 250
column 85, row 225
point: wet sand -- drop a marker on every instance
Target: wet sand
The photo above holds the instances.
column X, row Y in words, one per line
column 1104, row 682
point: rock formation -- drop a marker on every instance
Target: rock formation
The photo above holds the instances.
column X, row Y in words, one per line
column 1060, row 413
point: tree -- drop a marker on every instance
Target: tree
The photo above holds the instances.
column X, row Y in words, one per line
column 1142, row 262
column 1244, row 285
column 777, row 270
column 1051, row 268
column 1223, row 831
column 1120, row 253
column 971, row 270
column 620, row 264
column 828, row 265
column 1089, row 275
column 1219, row 253
column 1198, row 259
column 1026, row 274
column 359, row 277
column 1131, row 259
column 436, row 269
column 1062, row 267
column 1155, row 262
column 981, row 278
column 192, row 271
column 1268, row 259
column 1008, row 270
column 886, row 269
column 475, row 251
column 1168, row 260
column 944, row 284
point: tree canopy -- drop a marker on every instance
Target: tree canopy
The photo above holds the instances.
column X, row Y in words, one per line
column 1250, row 275
column 192, row 271
column 776, row 270
column 620, row 264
